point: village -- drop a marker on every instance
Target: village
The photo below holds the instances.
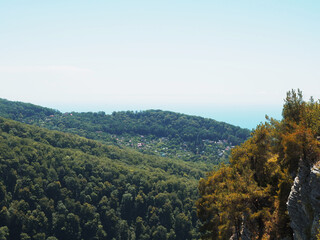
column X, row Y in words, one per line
column 211, row 151
column 206, row 150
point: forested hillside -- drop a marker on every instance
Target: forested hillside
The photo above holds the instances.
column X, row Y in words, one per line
column 155, row 132
column 248, row 198
column 60, row 186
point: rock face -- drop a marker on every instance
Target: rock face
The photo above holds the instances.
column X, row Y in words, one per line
column 304, row 203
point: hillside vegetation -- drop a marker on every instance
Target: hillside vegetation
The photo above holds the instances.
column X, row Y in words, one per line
column 60, row 186
column 154, row 132
column 248, row 197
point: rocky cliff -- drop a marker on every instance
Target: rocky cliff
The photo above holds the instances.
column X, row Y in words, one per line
column 304, row 202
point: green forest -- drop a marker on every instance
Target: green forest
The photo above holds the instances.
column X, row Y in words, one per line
column 155, row 132
column 61, row 186
column 128, row 175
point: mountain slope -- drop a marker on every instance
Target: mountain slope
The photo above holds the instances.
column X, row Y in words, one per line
column 68, row 187
column 154, row 132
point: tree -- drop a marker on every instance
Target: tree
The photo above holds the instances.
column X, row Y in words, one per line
column 160, row 233
column 251, row 193
column 4, row 232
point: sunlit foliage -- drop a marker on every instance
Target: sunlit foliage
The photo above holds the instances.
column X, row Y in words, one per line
column 249, row 196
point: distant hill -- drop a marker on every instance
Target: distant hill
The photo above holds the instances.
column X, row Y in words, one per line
column 20, row 111
column 55, row 185
column 156, row 132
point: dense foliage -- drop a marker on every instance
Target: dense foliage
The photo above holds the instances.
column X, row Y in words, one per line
column 24, row 111
column 249, row 196
column 60, row 186
column 154, row 132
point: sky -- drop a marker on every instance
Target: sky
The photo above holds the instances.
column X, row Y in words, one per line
column 230, row 60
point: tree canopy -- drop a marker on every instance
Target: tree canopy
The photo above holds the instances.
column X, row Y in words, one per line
column 55, row 185
column 251, row 193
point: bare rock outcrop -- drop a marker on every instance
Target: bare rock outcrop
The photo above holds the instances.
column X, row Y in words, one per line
column 304, row 203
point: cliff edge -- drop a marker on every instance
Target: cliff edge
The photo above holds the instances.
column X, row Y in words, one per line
column 304, row 202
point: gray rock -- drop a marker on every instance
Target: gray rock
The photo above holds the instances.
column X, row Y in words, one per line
column 304, row 203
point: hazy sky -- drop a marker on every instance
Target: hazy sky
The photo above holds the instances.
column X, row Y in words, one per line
column 232, row 61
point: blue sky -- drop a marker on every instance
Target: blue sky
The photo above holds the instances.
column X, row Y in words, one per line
column 232, row 61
